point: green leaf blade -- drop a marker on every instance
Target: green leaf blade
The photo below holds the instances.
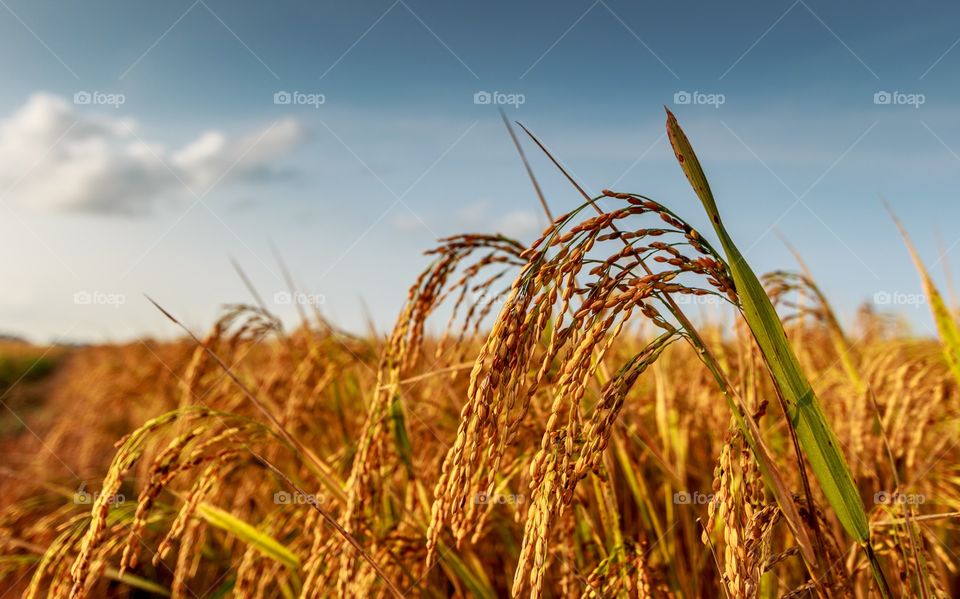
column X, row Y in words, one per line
column 814, row 434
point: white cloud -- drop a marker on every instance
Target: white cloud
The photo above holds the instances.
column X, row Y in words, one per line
column 481, row 217
column 520, row 224
column 472, row 213
column 53, row 157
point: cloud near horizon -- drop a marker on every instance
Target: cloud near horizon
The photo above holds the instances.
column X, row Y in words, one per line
column 56, row 158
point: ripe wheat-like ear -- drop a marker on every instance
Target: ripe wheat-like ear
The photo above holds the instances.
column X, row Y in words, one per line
column 580, row 279
column 459, row 275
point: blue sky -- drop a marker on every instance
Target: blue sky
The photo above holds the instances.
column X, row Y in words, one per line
column 141, row 146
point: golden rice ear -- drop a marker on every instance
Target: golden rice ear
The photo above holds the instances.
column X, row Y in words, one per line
column 816, row 438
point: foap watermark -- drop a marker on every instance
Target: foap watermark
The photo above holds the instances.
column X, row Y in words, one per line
column 99, row 298
column 297, row 98
column 896, row 298
column 484, row 98
column 487, row 298
column 98, row 98
column 285, row 498
column 698, row 98
column 285, row 298
column 695, row 498
column 499, row 499
column 895, row 498
column 84, row 497
column 898, row 98
column 692, row 299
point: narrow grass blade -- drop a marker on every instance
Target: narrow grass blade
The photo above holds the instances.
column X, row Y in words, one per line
column 400, row 434
column 136, row 582
column 263, row 542
column 946, row 325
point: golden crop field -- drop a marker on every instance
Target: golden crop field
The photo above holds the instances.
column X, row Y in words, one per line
column 548, row 420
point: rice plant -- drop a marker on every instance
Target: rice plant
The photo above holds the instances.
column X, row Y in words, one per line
column 549, row 420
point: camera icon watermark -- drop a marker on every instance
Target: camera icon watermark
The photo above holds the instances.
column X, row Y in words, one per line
column 485, row 98
column 285, row 298
column 898, row 98
column 487, row 298
column 496, row 499
column 98, row 98
column 296, row 98
column 895, row 498
column 99, row 298
column 285, row 498
column 693, row 299
column 84, row 497
column 698, row 98
column 896, row 298
column 695, row 498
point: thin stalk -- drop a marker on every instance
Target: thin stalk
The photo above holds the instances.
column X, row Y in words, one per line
column 526, row 165
column 907, row 510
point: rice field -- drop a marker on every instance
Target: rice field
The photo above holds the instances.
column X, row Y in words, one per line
column 542, row 421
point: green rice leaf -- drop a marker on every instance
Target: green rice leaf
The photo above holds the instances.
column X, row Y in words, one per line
column 263, row 542
column 813, row 432
column 136, row 582
column 402, row 438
